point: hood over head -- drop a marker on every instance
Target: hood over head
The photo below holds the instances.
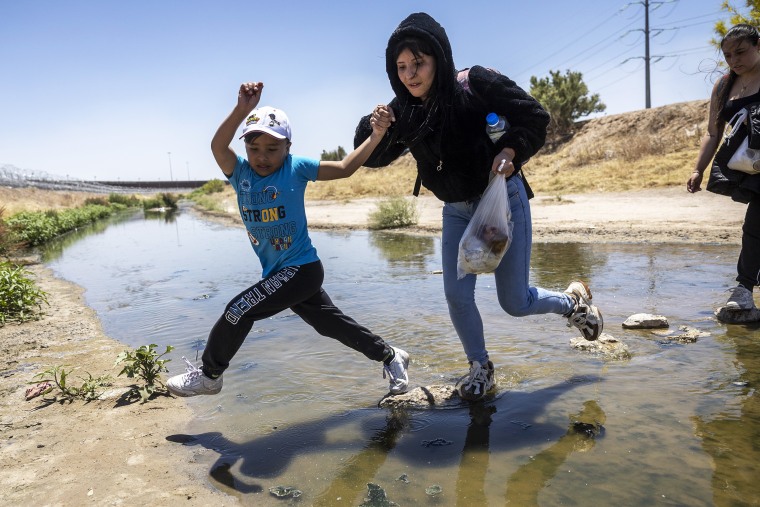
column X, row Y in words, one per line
column 422, row 26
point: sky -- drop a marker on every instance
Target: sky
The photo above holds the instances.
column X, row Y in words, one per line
column 134, row 90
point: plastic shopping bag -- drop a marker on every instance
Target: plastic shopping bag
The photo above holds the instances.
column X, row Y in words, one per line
column 489, row 233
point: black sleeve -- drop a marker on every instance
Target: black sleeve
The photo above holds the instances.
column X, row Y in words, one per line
column 527, row 119
column 388, row 150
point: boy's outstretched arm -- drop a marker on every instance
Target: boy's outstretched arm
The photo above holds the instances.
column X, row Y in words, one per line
column 248, row 98
column 381, row 119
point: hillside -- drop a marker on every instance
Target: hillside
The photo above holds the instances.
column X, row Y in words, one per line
column 641, row 149
column 647, row 148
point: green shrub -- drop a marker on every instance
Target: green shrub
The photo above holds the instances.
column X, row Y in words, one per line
column 145, row 363
column 100, row 201
column 129, row 201
column 34, row 228
column 162, row 200
column 8, row 244
column 18, row 294
column 212, row 187
column 90, row 389
column 393, row 213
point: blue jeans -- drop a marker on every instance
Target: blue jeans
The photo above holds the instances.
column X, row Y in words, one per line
column 516, row 296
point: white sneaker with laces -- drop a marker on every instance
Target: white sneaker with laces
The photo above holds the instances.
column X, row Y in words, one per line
column 477, row 382
column 585, row 317
column 580, row 290
column 396, row 370
column 193, row 383
column 740, row 299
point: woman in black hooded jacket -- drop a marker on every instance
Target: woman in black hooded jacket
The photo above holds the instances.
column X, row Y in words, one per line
column 442, row 123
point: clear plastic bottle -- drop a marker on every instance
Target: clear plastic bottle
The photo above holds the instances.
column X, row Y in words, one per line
column 496, row 125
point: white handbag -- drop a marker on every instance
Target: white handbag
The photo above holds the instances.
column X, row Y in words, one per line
column 744, row 159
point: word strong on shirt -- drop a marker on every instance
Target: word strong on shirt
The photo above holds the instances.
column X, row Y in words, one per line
column 266, row 219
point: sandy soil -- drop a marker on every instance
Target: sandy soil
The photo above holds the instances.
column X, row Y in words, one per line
column 647, row 216
column 110, row 452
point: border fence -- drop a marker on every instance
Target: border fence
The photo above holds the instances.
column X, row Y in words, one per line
column 11, row 176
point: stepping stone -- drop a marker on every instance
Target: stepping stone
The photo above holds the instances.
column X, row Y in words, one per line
column 737, row 317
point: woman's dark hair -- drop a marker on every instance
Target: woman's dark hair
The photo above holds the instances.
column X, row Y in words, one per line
column 738, row 33
column 418, row 47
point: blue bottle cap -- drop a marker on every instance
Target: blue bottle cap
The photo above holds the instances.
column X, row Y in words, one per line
column 492, row 118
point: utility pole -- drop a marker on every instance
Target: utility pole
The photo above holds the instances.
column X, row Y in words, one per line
column 648, row 100
column 171, row 178
column 647, row 57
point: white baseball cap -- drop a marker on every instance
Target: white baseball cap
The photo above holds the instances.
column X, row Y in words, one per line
column 268, row 120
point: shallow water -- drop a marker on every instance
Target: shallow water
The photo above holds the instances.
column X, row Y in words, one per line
column 674, row 425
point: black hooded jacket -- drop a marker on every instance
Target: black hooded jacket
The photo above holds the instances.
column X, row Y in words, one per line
column 447, row 136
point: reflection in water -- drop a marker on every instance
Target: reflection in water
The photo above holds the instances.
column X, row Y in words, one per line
column 732, row 437
column 54, row 248
column 403, row 438
column 403, row 248
column 167, row 216
column 524, row 485
column 552, row 263
column 295, row 409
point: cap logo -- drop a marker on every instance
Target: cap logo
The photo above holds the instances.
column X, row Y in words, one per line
column 268, row 120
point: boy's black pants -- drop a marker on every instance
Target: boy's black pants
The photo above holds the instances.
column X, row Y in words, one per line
column 300, row 289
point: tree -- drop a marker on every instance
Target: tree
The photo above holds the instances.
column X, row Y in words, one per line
column 751, row 18
column 566, row 99
column 338, row 154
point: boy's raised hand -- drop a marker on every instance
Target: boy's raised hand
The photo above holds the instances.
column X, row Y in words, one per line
column 249, row 95
column 381, row 118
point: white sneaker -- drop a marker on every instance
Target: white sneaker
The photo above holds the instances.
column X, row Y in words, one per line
column 580, row 290
column 740, row 299
column 399, row 381
column 585, row 317
column 478, row 382
column 193, row 383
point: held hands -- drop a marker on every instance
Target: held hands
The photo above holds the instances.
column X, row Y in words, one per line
column 381, row 119
column 249, row 96
column 695, row 182
column 502, row 164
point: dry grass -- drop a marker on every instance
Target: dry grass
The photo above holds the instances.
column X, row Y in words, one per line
column 395, row 180
column 642, row 149
column 15, row 200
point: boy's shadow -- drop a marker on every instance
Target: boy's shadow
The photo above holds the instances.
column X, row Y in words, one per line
column 434, row 438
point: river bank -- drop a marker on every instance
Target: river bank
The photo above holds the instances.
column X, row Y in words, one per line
column 111, row 452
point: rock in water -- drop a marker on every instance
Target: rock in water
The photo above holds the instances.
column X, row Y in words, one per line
column 687, row 335
column 424, row 397
column 606, row 346
column 645, row 321
column 737, row 317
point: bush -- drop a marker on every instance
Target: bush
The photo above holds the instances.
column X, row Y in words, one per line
column 128, row 201
column 100, row 201
column 57, row 377
column 393, row 213
column 18, row 294
column 34, row 228
column 146, row 364
column 162, row 200
column 212, row 187
column 8, row 245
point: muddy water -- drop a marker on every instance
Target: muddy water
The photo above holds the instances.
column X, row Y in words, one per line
column 677, row 424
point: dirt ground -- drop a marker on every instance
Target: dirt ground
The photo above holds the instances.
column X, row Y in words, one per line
column 666, row 215
column 110, row 452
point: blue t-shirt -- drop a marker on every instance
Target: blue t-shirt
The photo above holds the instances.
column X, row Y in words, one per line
column 273, row 211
